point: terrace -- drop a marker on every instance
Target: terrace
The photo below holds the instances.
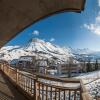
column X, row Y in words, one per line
column 14, row 85
column 40, row 87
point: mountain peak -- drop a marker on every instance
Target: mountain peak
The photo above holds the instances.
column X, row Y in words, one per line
column 37, row 40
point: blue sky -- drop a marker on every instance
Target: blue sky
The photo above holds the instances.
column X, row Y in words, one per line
column 77, row 30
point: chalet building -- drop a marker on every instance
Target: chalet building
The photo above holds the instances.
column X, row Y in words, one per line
column 26, row 62
column 41, row 66
column 52, row 69
column 66, row 68
column 31, row 63
column 71, row 67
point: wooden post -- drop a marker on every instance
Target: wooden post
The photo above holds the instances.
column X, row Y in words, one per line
column 0, row 66
column 35, row 84
column 3, row 68
column 17, row 74
column 36, row 92
column 8, row 71
column 81, row 98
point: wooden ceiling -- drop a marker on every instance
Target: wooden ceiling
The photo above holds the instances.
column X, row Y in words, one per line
column 16, row 15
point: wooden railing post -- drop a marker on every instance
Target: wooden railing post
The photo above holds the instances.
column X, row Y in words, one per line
column 84, row 93
column 36, row 92
column 0, row 66
column 3, row 67
column 8, row 70
column 81, row 98
column 17, row 76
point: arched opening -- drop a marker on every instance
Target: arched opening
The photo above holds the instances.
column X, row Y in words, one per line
column 64, row 45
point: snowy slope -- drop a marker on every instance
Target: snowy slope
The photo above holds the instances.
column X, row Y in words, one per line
column 82, row 51
column 35, row 47
column 86, row 54
column 91, row 81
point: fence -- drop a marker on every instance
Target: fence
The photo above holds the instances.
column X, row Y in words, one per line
column 42, row 87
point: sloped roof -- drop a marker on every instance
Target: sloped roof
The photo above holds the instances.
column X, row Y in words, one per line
column 15, row 15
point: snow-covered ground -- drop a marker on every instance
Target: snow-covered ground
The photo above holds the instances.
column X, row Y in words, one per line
column 91, row 81
column 89, row 77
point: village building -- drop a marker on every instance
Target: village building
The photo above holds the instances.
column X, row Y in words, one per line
column 71, row 69
column 26, row 62
column 42, row 65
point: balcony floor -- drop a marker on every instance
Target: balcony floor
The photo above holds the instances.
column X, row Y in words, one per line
column 8, row 91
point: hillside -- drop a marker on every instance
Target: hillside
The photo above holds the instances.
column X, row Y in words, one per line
column 36, row 47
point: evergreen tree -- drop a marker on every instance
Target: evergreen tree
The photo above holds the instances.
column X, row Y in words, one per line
column 69, row 70
column 89, row 66
column 70, row 65
column 96, row 65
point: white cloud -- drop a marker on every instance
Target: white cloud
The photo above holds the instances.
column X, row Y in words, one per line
column 98, row 18
column 36, row 32
column 94, row 27
column 99, row 2
column 52, row 39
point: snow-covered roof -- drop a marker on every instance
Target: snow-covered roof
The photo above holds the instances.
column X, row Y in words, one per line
column 26, row 58
column 42, row 63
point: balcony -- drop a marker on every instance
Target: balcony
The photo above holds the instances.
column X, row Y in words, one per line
column 40, row 87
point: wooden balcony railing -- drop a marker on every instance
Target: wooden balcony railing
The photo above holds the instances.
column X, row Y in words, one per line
column 40, row 87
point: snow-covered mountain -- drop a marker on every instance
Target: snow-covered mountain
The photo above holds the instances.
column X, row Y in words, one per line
column 40, row 48
column 35, row 47
column 85, row 54
column 82, row 51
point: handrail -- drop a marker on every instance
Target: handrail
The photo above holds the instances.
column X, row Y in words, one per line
column 52, row 78
column 37, row 85
column 85, row 94
column 60, row 87
column 83, row 87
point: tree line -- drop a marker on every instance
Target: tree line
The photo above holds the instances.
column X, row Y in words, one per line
column 92, row 66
